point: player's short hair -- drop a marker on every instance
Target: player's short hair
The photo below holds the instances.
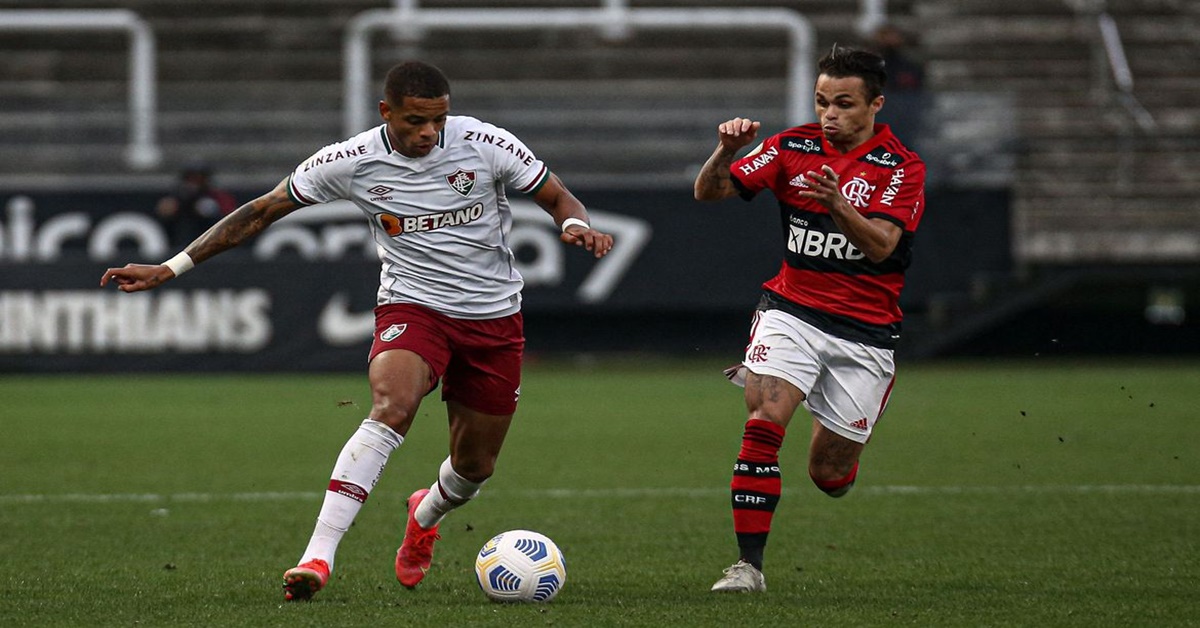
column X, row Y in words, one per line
column 843, row 62
column 415, row 79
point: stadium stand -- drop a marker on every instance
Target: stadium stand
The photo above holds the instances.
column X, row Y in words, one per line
column 1100, row 204
column 1086, row 174
column 1022, row 98
column 255, row 86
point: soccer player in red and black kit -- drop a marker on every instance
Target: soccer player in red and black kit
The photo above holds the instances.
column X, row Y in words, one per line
column 850, row 197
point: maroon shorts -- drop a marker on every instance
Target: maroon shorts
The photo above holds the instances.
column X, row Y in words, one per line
column 477, row 361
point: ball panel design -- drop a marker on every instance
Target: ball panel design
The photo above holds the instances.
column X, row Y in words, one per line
column 520, row 566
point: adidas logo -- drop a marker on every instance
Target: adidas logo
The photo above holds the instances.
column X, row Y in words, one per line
column 798, row 181
column 860, row 424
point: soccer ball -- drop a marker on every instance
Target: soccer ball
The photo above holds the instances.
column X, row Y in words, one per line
column 520, row 566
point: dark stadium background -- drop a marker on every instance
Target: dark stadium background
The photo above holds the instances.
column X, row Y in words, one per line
column 1062, row 217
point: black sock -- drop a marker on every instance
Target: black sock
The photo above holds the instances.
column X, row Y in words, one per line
column 751, row 547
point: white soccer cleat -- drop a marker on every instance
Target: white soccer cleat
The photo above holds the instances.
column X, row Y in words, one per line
column 741, row 577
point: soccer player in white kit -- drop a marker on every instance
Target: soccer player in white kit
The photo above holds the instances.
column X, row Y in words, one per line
column 449, row 304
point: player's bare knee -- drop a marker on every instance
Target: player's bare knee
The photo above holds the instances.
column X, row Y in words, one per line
column 396, row 415
column 475, row 470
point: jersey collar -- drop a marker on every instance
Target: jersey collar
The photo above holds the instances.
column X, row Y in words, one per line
column 387, row 142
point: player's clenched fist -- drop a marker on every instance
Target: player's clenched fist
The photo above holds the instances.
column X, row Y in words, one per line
column 738, row 132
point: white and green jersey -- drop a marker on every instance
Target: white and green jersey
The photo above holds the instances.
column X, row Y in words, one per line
column 441, row 222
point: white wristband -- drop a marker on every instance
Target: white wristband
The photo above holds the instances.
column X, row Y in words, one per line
column 574, row 221
column 180, row 263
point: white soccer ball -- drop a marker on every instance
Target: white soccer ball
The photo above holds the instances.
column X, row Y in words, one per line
column 520, row 566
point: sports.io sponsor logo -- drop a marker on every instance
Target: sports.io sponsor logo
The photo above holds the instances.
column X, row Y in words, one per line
column 884, row 159
column 807, row 146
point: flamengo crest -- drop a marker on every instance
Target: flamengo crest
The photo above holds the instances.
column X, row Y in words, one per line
column 461, row 181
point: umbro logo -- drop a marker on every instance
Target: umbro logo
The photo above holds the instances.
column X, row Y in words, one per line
column 353, row 491
column 380, row 192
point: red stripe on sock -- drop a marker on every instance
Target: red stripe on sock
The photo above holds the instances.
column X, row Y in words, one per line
column 833, row 485
column 760, row 444
column 761, row 441
column 751, row 521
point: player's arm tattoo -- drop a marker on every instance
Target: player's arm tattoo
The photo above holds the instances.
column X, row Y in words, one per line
column 714, row 182
column 243, row 223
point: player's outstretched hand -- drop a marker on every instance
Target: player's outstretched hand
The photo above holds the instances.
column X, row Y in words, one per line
column 596, row 242
column 137, row 277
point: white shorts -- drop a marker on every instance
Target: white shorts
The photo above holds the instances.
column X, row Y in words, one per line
column 846, row 384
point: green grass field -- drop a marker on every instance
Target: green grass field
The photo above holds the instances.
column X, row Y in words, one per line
column 1004, row 494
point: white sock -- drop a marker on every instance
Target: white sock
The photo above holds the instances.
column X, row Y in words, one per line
column 355, row 473
column 449, row 492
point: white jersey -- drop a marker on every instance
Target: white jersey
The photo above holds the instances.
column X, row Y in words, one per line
column 442, row 221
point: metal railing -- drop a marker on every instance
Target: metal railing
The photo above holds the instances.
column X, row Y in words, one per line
column 143, row 151
column 612, row 20
column 1122, row 76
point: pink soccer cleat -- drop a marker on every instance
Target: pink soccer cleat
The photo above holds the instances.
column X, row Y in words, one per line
column 416, row 552
column 303, row 581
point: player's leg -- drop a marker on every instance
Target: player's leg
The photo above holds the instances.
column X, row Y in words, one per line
column 846, row 402
column 399, row 379
column 833, row 460
column 778, row 367
column 406, row 360
column 757, row 482
column 475, row 442
column 480, row 387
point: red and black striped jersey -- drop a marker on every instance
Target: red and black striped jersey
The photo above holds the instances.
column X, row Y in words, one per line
column 824, row 279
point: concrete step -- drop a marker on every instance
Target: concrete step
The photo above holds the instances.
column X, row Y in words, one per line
column 928, row 9
column 1051, row 30
column 1083, row 214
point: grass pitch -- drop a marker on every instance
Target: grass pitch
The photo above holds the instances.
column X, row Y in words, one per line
column 1004, row 494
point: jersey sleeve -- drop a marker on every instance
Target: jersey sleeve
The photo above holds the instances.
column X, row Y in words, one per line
column 515, row 164
column 755, row 172
column 326, row 175
column 902, row 199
